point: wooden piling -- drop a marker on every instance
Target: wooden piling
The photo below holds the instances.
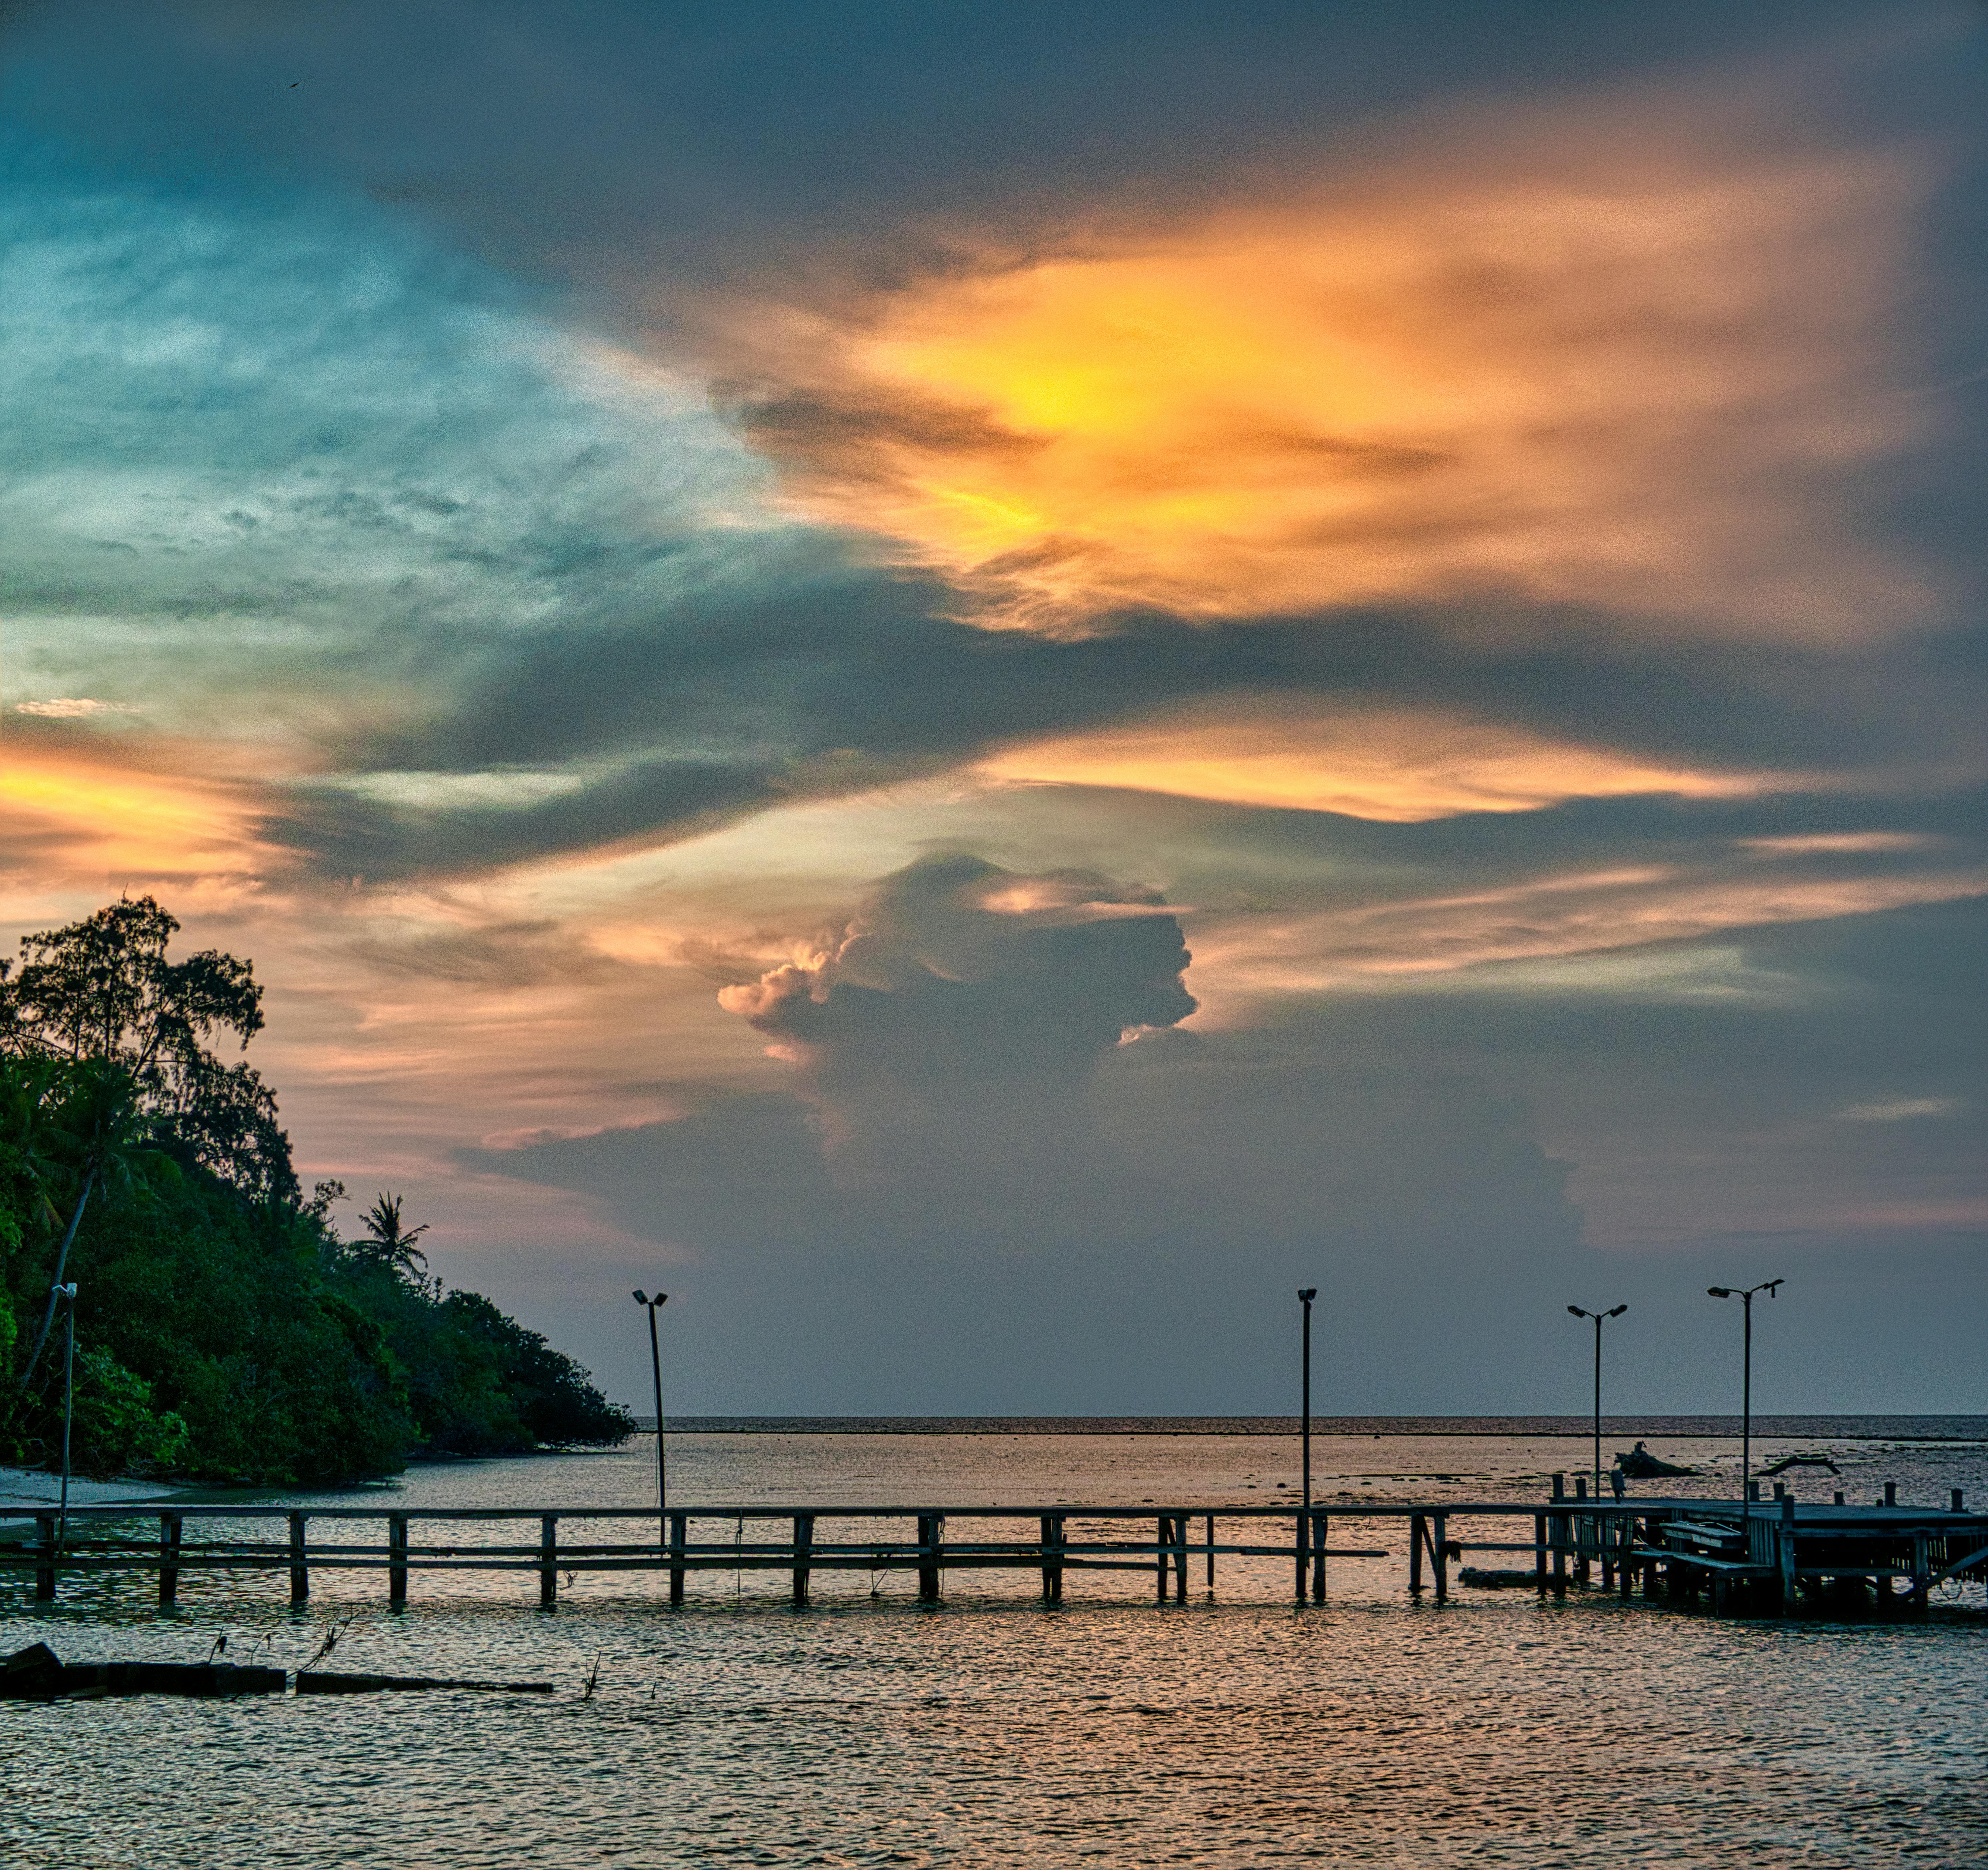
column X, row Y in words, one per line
column 1560, row 1524
column 1052, row 1550
column 547, row 1561
column 1539, row 1552
column 1180, row 1559
column 803, row 1544
column 170, row 1525
column 1211, row 1552
column 1417, row 1538
column 1439, row 1554
column 45, row 1568
column 396, row 1561
column 679, row 1538
column 1891, row 1492
column 1320, row 1526
column 1161, row 1540
column 300, row 1564
column 931, row 1529
column 1784, row 1554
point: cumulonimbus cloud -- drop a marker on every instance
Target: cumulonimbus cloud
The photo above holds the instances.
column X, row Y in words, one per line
column 957, row 1023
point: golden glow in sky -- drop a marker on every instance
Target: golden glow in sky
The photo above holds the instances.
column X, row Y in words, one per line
column 1396, row 765
column 1629, row 389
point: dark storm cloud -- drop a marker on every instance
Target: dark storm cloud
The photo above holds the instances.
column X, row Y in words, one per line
column 628, row 140
column 845, row 682
column 1388, row 1149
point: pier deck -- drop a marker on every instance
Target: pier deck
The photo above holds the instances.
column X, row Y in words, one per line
column 1755, row 1556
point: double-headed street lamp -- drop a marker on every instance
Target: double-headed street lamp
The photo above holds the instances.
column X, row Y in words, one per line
column 656, row 1369
column 1598, row 1316
column 1747, row 1372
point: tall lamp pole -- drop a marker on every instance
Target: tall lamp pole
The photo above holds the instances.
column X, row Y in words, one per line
column 1746, row 1298
column 1305, row 1298
column 1614, row 1312
column 656, row 1370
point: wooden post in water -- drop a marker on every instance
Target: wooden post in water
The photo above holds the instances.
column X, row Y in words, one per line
column 1418, row 1535
column 1891, row 1492
column 547, row 1561
column 1052, row 1558
column 1210, row 1549
column 44, row 1572
column 1784, row 1553
column 396, row 1561
column 930, row 1531
column 299, row 1565
column 1180, row 1559
column 170, row 1526
column 1580, row 1541
column 1439, row 1552
column 1558, row 1522
column 804, row 1543
column 679, row 1538
column 1320, row 1524
column 1539, row 1552
column 1922, row 1595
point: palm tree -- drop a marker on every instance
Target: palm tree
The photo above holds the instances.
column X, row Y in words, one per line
column 390, row 1243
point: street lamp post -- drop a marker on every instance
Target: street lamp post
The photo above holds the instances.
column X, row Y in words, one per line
column 1746, row 1298
column 1305, row 1298
column 656, row 1370
column 1616, row 1312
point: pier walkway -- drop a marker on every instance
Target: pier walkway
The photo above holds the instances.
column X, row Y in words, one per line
column 1756, row 1555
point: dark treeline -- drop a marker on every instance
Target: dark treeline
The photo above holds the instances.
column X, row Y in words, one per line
column 224, row 1331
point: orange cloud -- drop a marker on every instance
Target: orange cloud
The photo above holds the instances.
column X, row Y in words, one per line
column 1626, row 384
column 1401, row 765
column 1417, row 940
column 71, row 818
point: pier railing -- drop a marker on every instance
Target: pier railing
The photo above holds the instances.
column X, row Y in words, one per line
column 1686, row 1547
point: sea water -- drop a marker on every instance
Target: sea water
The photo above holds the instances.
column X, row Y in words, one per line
column 1237, row 1729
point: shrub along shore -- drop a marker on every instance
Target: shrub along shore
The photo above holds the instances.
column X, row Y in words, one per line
column 224, row 1333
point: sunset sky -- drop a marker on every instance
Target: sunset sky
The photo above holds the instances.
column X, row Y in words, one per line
column 721, row 597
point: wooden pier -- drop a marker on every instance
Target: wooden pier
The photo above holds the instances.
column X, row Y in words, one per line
column 1754, row 1556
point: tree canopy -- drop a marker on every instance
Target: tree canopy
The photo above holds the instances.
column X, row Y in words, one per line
column 225, row 1332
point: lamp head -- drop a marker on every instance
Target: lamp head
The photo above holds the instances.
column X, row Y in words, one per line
column 1308, row 1294
column 1769, row 1288
column 1577, row 1312
column 642, row 1297
column 1617, row 1312
column 1719, row 1292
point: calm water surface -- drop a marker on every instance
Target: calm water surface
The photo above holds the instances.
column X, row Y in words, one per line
column 1234, row 1730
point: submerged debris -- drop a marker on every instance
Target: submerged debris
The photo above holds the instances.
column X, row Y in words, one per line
column 38, row 1674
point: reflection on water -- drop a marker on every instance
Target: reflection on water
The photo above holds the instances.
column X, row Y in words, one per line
column 1236, row 1731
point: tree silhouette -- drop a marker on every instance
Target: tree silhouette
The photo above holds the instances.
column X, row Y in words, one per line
column 102, row 990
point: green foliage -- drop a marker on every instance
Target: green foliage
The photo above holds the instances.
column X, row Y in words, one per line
column 223, row 1332
column 118, row 1429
